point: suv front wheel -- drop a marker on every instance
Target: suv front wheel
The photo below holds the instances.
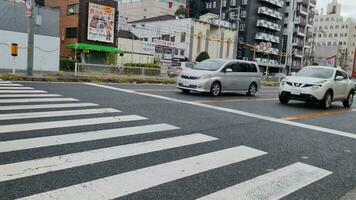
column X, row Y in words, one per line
column 327, row 100
column 350, row 99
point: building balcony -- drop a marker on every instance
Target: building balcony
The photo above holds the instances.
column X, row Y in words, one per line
column 267, row 37
column 298, row 53
column 269, row 51
column 302, row 10
column 300, row 21
column 300, row 31
column 270, row 25
column 278, row 3
column 267, row 62
column 312, row 3
column 303, row 2
column 298, row 43
column 269, row 12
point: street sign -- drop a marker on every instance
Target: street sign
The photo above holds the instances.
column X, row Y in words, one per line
column 14, row 49
column 28, row 5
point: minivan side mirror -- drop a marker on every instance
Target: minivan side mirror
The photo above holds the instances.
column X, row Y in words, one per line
column 228, row 70
column 339, row 78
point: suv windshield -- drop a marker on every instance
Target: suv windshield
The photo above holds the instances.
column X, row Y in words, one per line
column 209, row 65
column 316, row 72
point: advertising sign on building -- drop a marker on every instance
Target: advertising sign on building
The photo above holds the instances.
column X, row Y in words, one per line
column 148, row 48
column 101, row 22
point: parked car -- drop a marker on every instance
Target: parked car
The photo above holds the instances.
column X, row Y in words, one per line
column 323, row 85
column 175, row 69
column 220, row 75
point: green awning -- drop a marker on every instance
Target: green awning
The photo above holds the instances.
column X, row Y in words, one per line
column 92, row 47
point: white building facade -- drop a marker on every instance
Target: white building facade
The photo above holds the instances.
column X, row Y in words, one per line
column 332, row 30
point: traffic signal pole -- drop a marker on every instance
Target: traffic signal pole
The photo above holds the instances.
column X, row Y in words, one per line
column 30, row 45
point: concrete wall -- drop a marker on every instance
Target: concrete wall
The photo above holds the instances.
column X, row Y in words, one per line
column 132, row 52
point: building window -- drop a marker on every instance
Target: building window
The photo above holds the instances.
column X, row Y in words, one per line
column 145, row 39
column 182, row 52
column 72, row 9
column 224, row 3
column 242, row 27
column 331, row 27
column 327, row 19
column 287, row 3
column 335, row 35
column 345, row 34
column 182, row 37
column 330, row 35
column 71, row 32
column 233, row 2
column 175, row 51
column 329, row 43
column 214, row 4
column 336, row 26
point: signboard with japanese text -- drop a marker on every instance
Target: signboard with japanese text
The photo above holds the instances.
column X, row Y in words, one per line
column 101, row 20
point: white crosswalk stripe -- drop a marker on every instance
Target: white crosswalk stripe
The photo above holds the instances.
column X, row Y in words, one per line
column 16, row 88
column 21, row 91
column 274, row 185
column 67, row 123
column 29, row 115
column 5, row 82
column 37, row 100
column 28, row 95
column 122, row 184
column 23, row 144
column 45, row 165
column 42, row 106
column 10, row 84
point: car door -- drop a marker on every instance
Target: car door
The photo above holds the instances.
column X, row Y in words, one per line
column 242, row 74
column 341, row 85
column 227, row 76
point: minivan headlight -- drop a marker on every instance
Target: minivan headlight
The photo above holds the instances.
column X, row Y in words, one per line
column 206, row 76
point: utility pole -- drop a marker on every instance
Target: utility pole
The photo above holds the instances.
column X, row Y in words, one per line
column 30, row 44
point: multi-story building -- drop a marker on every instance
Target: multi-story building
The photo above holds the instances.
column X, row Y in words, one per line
column 87, row 29
column 139, row 9
column 331, row 29
column 260, row 28
column 298, row 32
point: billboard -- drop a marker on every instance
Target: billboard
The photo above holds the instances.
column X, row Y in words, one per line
column 101, row 20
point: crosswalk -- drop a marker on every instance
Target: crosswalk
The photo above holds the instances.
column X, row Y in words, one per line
column 18, row 102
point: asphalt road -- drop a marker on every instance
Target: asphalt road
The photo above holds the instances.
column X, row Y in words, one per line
column 167, row 145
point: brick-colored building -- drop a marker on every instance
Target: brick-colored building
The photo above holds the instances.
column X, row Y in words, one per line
column 74, row 28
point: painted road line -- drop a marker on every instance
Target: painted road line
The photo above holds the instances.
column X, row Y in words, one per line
column 274, row 185
column 235, row 100
column 67, row 123
column 21, row 91
column 56, row 163
column 37, row 100
column 5, row 82
column 30, row 115
column 156, row 90
column 16, row 88
column 28, row 95
column 22, row 144
column 10, row 84
column 43, row 106
column 320, row 114
column 233, row 111
column 123, row 184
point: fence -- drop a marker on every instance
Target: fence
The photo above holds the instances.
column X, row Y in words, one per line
column 112, row 70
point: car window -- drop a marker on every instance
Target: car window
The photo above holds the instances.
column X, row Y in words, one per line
column 189, row 65
column 243, row 67
column 340, row 73
column 316, row 72
column 253, row 68
column 345, row 75
column 232, row 66
column 209, row 65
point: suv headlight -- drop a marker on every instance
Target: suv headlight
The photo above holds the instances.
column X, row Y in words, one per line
column 315, row 87
column 283, row 83
column 206, row 76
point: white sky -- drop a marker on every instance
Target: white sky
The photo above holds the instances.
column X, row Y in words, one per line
column 348, row 8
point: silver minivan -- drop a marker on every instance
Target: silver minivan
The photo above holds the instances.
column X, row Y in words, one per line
column 221, row 75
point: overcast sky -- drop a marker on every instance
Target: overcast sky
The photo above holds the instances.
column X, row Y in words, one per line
column 348, row 8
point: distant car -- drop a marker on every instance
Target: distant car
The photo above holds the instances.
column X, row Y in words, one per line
column 220, row 75
column 176, row 68
column 323, row 85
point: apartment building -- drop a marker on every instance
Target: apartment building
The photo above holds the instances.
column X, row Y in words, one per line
column 333, row 30
column 142, row 9
column 298, row 33
column 260, row 28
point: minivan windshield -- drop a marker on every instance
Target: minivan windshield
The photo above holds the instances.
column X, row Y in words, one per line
column 316, row 72
column 209, row 65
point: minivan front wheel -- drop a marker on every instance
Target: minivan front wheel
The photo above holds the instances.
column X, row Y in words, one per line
column 252, row 89
column 215, row 89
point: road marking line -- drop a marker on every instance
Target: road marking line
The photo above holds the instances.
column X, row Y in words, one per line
column 67, row 123
column 133, row 181
column 22, row 91
column 314, row 115
column 44, row 165
column 22, row 144
column 5, row 82
column 238, row 112
column 234, row 100
column 274, row 185
column 41, row 106
column 10, row 84
column 30, row 115
column 156, row 90
column 29, row 95
column 37, row 100
column 16, row 88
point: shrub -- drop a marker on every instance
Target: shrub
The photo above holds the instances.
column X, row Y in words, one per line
column 202, row 56
column 66, row 65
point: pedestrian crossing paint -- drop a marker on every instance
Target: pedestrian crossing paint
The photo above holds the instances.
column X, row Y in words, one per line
column 67, row 123
column 29, row 115
column 28, row 95
column 16, row 88
column 56, row 163
column 21, row 91
column 37, row 100
column 43, row 106
column 274, row 185
column 123, row 184
column 5, row 82
column 10, row 84
column 22, row 144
